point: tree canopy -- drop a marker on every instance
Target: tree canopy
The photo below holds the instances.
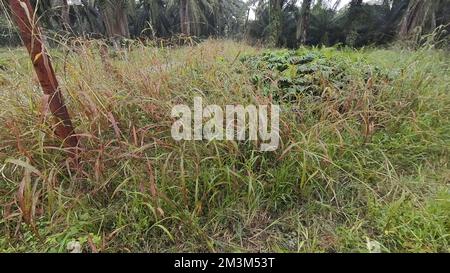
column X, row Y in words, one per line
column 286, row 23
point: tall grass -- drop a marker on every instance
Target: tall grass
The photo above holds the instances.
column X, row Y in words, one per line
column 365, row 164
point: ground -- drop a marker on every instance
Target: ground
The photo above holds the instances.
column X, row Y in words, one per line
column 362, row 165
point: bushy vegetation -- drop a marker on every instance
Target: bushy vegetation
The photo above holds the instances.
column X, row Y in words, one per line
column 308, row 72
column 8, row 37
column 363, row 164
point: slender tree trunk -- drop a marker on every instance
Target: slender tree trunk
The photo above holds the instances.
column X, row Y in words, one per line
column 116, row 19
column 303, row 23
column 259, row 9
column 275, row 27
column 65, row 15
column 185, row 17
column 26, row 21
column 188, row 18
column 247, row 18
column 433, row 20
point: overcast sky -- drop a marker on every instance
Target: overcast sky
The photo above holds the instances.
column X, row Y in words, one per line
column 345, row 2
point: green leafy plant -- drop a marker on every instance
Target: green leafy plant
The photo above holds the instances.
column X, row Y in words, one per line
column 289, row 75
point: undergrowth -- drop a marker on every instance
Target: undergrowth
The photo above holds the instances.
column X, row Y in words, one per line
column 363, row 159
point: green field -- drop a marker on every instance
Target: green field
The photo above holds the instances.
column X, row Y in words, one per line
column 363, row 163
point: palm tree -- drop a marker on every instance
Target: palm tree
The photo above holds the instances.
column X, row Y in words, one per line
column 153, row 17
column 63, row 7
column 185, row 17
column 419, row 15
column 193, row 14
column 393, row 11
column 88, row 18
column 303, row 22
column 354, row 12
column 227, row 16
column 275, row 25
column 115, row 18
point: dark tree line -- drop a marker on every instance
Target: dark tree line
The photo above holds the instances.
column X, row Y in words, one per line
column 277, row 22
column 321, row 22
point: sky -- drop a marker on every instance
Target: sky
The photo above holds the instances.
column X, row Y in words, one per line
column 345, row 2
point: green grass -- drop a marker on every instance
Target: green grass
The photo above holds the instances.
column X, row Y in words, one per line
column 363, row 160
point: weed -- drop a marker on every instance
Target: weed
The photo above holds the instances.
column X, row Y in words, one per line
column 363, row 162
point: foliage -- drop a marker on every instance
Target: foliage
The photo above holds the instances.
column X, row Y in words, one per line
column 8, row 34
column 278, row 23
column 290, row 75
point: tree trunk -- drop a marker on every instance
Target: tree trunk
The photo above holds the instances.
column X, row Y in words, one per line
column 185, row 17
column 26, row 20
column 92, row 16
column 116, row 19
column 303, row 23
column 394, row 14
column 65, row 15
column 247, row 18
column 416, row 17
column 60, row 9
column 275, row 27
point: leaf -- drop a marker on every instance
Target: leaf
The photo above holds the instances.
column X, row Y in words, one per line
column 163, row 228
column 24, row 197
column 114, row 124
column 153, row 187
column 25, row 165
column 373, row 246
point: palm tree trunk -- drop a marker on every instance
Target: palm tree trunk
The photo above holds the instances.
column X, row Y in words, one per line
column 65, row 15
column 116, row 19
column 25, row 19
column 184, row 18
column 415, row 17
column 275, row 27
column 58, row 11
column 92, row 16
column 303, row 24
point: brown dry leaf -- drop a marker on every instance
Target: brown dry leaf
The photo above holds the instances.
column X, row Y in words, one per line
column 153, row 188
column 160, row 211
column 369, row 83
column 24, row 197
column 135, row 139
column 27, row 195
column 91, row 244
column 114, row 123
column 368, row 127
column 44, row 107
